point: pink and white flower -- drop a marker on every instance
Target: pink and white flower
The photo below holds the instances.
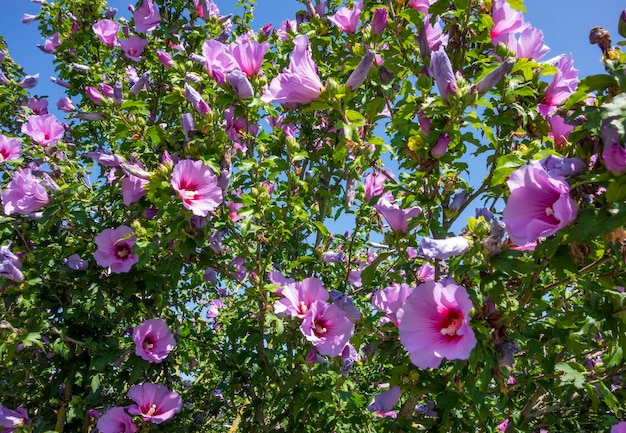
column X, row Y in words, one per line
column 197, row 187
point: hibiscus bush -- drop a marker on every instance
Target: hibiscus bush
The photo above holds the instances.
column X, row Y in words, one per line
column 388, row 216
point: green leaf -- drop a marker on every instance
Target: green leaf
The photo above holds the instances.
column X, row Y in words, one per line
column 367, row 275
column 571, row 373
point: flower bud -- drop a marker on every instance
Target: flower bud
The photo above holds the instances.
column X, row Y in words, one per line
column 494, row 77
column 441, row 70
column 360, row 73
column 379, row 23
column 621, row 25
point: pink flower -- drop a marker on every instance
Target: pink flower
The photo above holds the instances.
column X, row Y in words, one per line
column 434, row 34
column 385, row 401
column 146, row 17
column 397, row 218
column 165, row 59
column 327, row 327
column 619, row 427
column 50, row 44
column 346, row 19
column 380, row 20
column 539, row 205
column 614, row 156
column 38, row 106
column 421, row 5
column 218, row 61
column 154, row 402
column 153, row 340
column 443, row 248
column 10, row 148
column 24, row 194
column 106, row 31
column 530, row 44
column 390, row 299
column 133, row 47
column 116, row 420
column 197, row 186
column 93, row 94
column 196, row 100
column 298, row 297
column 43, row 129
column 249, row 56
column 115, row 247
column 503, row 425
column 505, row 20
column 299, row 83
column 133, row 187
column 560, row 130
column 374, row 183
column 65, row 104
column 434, row 324
column 213, row 308
column 563, row 84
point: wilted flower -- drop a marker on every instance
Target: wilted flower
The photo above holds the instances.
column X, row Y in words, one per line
column 358, row 76
column 29, row 18
column 29, row 81
column 154, row 402
column 240, row 84
column 197, row 186
column 434, row 323
column 24, row 194
column 153, row 340
column 346, row 305
column 557, row 166
column 10, row 266
column 116, row 420
column 115, row 247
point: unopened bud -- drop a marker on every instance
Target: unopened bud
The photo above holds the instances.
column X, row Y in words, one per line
column 360, row 73
column 494, row 77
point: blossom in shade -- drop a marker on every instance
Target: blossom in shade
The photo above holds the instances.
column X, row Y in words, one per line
column 425, row 272
column 347, row 19
column 197, row 186
column 358, row 76
column 43, row 129
column 443, row 248
column 249, row 56
column 327, row 327
column 10, row 148
column 390, row 299
column 334, row 256
column 76, row 263
column 13, row 419
column 557, row 166
column 240, row 84
column 10, row 265
column 24, row 194
column 133, row 187
column 385, row 401
column 397, row 218
column 115, row 249
column 213, row 308
column 614, row 156
column 346, row 305
column 299, row 83
column 116, row 420
column 153, row 340
column 154, row 402
column 539, row 205
column 434, row 323
column 38, row 106
column 380, row 20
column 563, row 84
column 505, row 20
column 133, row 47
column 299, row 296
column 619, row 427
column 441, row 70
column 503, row 425
column 106, row 31
column 146, row 17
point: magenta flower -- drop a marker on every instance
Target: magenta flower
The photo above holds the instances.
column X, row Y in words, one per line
column 116, row 420
column 249, row 56
column 24, row 194
column 385, row 401
column 298, row 297
column 299, row 83
column 106, row 31
column 434, row 34
column 421, row 5
column 327, row 327
column 165, row 59
column 10, row 148
column 218, row 61
column 146, row 17
column 503, row 425
column 619, row 427
column 43, row 129
column 390, row 299
column 347, row 19
column 154, row 402
column 133, row 47
column 374, row 183
column 563, row 84
column 380, row 20
column 197, row 186
column 13, row 419
column 441, row 70
column 443, row 248
column 115, row 249
column 505, row 20
column 93, row 94
column 397, row 218
column 560, row 130
column 434, row 324
column 153, row 340
column 539, row 205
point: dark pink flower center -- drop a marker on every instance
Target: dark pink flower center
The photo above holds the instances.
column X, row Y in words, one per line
column 152, row 410
column 189, row 191
column 320, row 328
column 451, row 322
column 122, row 251
column 148, row 344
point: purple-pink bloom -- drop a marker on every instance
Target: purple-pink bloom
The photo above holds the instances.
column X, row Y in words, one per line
column 563, row 84
column 334, row 257
column 240, row 84
column 380, row 20
column 13, row 419
column 197, row 187
column 10, row 265
column 29, row 18
column 10, row 148
column 425, row 272
column 154, row 402
column 441, row 70
column 347, row 19
column 76, row 263
column 299, row 83
column 133, row 47
column 65, row 104
column 374, row 182
column 390, row 299
column 505, row 20
column 153, row 340
column 563, row 167
column 434, row 34
column 146, row 17
column 133, row 187
column 115, row 249
column 105, row 158
column 385, row 401
column 397, row 218
column 165, row 59
column 106, row 31
column 29, row 81
column 619, row 427
column 249, row 56
column 503, row 425
column 93, row 94
column 24, row 194
column 443, row 248
column 327, row 327
column 50, row 45
column 43, row 129
column 539, row 205
column 298, row 297
column 421, row 5
column 196, row 100
column 346, row 305
column 529, row 45
column 614, row 156
column 434, row 323
column 560, row 130
column 116, row 420
column 217, row 59
column 213, row 308
column 38, row 106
